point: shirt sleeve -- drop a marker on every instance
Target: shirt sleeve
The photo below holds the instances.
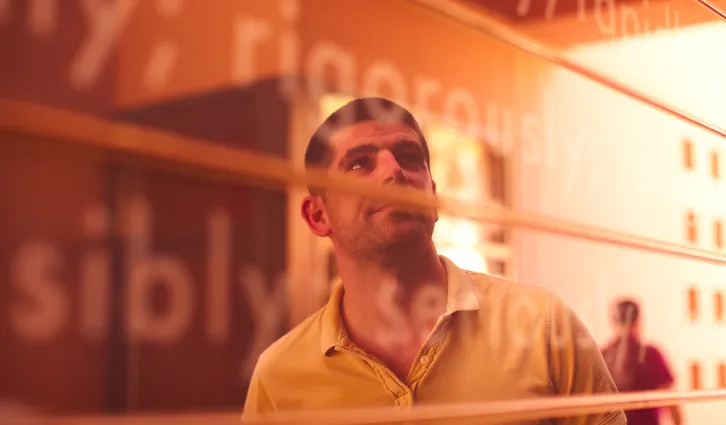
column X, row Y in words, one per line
column 258, row 400
column 576, row 365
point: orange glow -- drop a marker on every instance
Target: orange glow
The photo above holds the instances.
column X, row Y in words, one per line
column 715, row 171
column 696, row 376
column 691, row 228
column 688, row 154
column 718, row 306
column 693, row 303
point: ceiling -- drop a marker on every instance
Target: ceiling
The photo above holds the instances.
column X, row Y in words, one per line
column 574, row 22
column 521, row 11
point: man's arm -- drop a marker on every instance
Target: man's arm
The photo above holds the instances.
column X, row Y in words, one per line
column 576, row 365
column 663, row 379
column 675, row 411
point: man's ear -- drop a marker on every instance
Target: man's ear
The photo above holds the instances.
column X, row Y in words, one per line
column 314, row 214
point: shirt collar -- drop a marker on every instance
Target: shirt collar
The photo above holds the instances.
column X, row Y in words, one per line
column 333, row 333
column 461, row 296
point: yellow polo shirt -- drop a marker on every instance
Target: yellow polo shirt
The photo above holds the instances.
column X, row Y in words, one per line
column 497, row 341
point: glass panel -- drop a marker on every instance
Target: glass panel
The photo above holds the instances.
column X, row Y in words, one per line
column 466, row 169
column 143, row 269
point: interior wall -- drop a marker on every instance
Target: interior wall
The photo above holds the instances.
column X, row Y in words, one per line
column 52, row 55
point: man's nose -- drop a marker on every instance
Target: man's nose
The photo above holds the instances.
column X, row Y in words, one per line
column 389, row 168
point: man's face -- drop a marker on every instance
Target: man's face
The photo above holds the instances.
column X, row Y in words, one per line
column 385, row 154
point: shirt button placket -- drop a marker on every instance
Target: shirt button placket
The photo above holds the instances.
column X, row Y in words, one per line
column 405, row 399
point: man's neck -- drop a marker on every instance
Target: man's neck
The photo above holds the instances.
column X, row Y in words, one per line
column 382, row 304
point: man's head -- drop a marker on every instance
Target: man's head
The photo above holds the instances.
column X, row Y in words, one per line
column 379, row 141
column 626, row 316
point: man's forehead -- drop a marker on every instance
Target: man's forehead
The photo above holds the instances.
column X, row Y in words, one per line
column 371, row 132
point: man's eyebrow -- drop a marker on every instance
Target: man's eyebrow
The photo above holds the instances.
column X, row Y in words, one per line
column 358, row 150
column 368, row 148
column 406, row 143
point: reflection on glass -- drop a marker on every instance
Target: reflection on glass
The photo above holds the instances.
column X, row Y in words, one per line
column 695, row 376
column 718, row 306
column 688, row 154
column 691, row 227
column 456, row 166
column 693, row 303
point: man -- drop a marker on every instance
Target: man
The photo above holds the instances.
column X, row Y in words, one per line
column 636, row 366
column 406, row 326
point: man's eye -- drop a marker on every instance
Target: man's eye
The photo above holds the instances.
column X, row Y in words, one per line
column 359, row 164
column 413, row 158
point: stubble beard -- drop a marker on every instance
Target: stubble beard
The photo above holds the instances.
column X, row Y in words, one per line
column 375, row 241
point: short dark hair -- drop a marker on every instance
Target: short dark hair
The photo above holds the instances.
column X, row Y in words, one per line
column 318, row 152
column 627, row 312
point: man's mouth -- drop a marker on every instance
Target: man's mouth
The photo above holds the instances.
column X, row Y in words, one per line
column 388, row 207
column 399, row 211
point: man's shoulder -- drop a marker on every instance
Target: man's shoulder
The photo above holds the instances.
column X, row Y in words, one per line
column 298, row 344
column 654, row 353
column 525, row 305
column 498, row 289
